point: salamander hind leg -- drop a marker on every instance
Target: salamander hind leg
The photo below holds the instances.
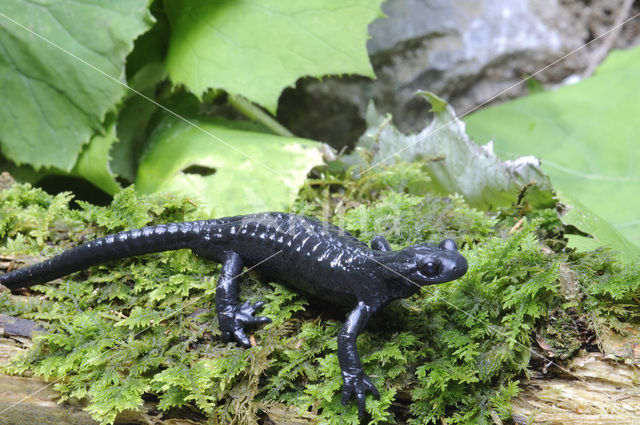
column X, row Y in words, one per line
column 234, row 318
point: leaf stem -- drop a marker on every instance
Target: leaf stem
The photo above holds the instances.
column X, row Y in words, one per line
column 254, row 113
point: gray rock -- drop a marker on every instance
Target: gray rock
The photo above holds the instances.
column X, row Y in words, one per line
column 466, row 51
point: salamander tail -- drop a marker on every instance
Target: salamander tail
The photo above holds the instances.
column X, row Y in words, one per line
column 165, row 237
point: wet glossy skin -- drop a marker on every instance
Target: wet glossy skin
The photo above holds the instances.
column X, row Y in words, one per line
column 313, row 256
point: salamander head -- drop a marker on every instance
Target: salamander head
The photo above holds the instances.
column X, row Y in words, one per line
column 427, row 264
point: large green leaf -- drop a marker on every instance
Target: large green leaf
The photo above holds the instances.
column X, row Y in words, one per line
column 237, row 172
column 93, row 162
column 596, row 232
column 455, row 163
column 52, row 103
column 256, row 48
column 92, row 165
column 586, row 135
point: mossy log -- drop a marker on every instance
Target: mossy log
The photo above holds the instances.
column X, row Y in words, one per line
column 600, row 390
column 32, row 400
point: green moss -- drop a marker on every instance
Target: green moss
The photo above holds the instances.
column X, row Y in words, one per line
column 610, row 291
column 454, row 352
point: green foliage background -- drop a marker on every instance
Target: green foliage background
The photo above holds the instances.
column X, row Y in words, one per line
column 66, row 108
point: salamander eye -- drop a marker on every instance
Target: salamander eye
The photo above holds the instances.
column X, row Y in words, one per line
column 430, row 268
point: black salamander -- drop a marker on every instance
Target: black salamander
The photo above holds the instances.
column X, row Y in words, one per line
column 301, row 252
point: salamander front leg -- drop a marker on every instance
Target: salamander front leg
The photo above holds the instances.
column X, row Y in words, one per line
column 355, row 380
column 234, row 318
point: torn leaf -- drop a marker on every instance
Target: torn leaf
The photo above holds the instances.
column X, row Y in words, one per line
column 455, row 163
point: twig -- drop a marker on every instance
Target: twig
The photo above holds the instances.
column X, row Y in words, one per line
column 517, row 225
column 254, row 113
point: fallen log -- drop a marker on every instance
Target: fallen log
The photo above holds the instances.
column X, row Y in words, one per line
column 599, row 391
